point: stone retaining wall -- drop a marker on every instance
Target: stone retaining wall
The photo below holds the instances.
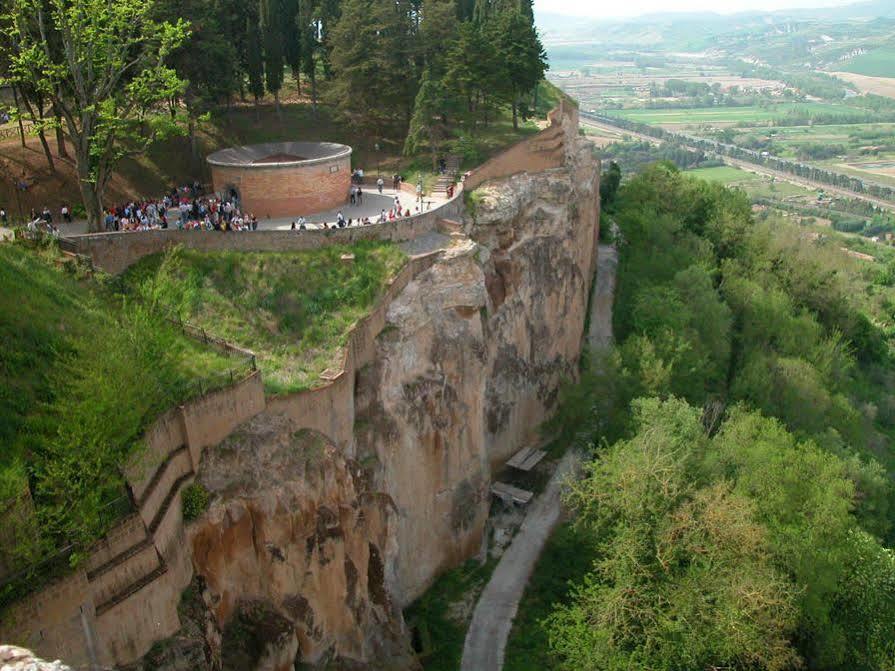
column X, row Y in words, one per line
column 541, row 152
column 126, row 592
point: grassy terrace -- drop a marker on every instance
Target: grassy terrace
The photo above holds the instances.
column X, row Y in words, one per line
column 82, row 373
column 293, row 309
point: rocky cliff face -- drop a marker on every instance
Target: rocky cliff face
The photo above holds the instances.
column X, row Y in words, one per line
column 293, row 552
column 470, row 366
column 311, row 553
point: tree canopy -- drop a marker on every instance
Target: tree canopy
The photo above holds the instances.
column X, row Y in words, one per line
column 740, row 503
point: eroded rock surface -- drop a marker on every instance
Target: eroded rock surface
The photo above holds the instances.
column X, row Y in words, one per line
column 292, row 550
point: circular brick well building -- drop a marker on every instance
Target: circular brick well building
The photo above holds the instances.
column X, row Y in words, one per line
column 284, row 179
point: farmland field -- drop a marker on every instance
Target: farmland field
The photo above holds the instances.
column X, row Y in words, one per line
column 755, row 185
column 877, row 63
column 730, row 115
column 878, row 169
column 881, row 86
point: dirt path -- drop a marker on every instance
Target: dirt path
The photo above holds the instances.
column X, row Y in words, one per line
column 492, row 619
column 600, row 334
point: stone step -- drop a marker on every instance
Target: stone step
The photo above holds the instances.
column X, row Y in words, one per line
column 166, row 504
column 157, row 476
column 118, row 559
column 131, row 589
column 107, row 586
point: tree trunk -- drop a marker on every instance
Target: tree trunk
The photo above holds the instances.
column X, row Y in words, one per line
column 15, row 95
column 61, row 151
column 276, row 102
column 314, row 94
column 92, row 202
column 46, row 147
column 515, row 115
column 40, row 133
column 194, row 140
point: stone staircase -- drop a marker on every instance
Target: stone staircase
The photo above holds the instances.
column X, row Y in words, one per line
column 133, row 562
column 452, row 163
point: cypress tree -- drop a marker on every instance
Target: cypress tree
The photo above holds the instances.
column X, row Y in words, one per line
column 253, row 59
column 274, row 52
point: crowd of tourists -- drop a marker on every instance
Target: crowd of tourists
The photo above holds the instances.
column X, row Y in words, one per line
column 184, row 208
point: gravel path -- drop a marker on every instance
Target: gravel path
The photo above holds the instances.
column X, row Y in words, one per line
column 492, row 619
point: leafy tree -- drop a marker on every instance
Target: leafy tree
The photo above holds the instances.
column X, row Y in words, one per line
column 609, row 183
column 208, row 64
column 307, row 25
column 472, row 74
column 254, row 60
column 102, row 66
column 685, row 578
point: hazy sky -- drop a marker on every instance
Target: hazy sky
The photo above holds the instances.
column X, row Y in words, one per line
column 602, row 9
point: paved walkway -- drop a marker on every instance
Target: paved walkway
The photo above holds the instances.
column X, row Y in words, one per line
column 492, row 619
column 372, row 207
column 600, row 334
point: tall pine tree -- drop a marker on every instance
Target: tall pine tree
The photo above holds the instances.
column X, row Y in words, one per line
column 521, row 56
column 370, row 85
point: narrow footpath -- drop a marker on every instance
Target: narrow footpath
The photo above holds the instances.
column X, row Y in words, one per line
column 492, row 619
column 599, row 336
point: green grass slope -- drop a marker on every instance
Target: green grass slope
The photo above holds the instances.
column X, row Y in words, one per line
column 293, row 309
column 82, row 374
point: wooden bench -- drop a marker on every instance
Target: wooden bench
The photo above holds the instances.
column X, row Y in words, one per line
column 526, row 459
column 509, row 494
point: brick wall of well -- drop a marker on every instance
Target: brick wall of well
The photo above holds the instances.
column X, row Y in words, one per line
column 287, row 191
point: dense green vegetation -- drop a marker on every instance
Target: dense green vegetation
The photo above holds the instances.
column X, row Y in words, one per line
column 739, row 502
column 566, row 559
column 83, row 373
column 293, row 309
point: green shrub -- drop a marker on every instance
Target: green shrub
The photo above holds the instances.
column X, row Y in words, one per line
column 195, row 499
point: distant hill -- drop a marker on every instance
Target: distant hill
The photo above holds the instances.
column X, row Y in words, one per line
column 686, row 29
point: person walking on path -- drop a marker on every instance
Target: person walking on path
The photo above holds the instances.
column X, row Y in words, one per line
column 380, row 184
